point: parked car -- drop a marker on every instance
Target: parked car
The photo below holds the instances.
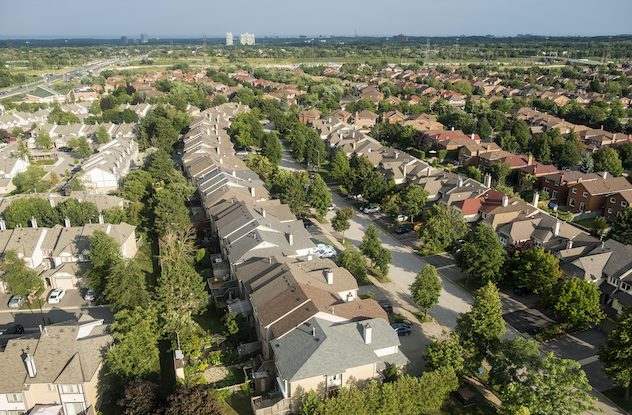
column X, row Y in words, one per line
column 325, row 251
column 401, row 329
column 15, row 329
column 89, row 295
column 16, row 301
column 402, row 229
column 65, row 149
column 307, row 223
column 386, row 305
column 457, row 248
column 372, row 209
column 401, row 218
column 331, row 207
column 522, row 290
column 56, row 295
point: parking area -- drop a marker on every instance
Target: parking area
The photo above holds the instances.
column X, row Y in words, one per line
column 529, row 320
column 578, row 346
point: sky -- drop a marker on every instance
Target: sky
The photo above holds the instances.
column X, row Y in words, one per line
column 290, row 18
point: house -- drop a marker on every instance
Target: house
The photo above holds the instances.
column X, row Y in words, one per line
column 85, row 93
column 591, row 196
column 392, row 117
column 9, row 168
column 58, row 369
column 104, row 170
column 616, row 203
column 365, row 118
column 556, row 184
column 307, row 116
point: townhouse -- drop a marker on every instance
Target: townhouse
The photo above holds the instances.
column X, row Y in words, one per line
column 105, row 169
column 591, row 195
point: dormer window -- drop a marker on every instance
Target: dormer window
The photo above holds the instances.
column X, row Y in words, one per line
column 613, row 281
column 625, row 286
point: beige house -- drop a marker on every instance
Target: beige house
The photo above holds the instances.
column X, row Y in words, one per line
column 56, row 369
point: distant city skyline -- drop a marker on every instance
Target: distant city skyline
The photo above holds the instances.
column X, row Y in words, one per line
column 40, row 20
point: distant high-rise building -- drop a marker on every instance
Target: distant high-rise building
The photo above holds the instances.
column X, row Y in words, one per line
column 144, row 38
column 400, row 38
column 123, row 40
column 229, row 38
column 247, row 39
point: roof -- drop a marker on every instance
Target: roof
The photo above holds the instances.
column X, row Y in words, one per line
column 604, row 186
column 322, row 348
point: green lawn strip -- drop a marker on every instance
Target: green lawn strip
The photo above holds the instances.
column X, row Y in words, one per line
column 238, row 403
column 617, row 395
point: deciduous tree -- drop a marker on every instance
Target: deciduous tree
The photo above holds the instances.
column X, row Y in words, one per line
column 483, row 257
column 616, row 355
column 340, row 222
column 576, row 300
column 536, row 268
column 426, row 288
column 413, row 198
column 443, row 226
column 318, row 195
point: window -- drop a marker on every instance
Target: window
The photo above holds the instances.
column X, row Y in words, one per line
column 624, row 203
column 557, row 183
column 585, row 194
column 625, row 286
column 503, row 241
column 70, row 389
column 613, row 281
column 546, row 189
column 572, row 202
column 546, row 180
column 618, row 213
column 609, row 211
column 74, row 409
column 582, row 206
column 554, row 196
column 613, row 200
column 14, row 397
column 574, row 191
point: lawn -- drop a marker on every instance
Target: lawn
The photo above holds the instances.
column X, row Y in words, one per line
column 617, row 396
column 210, row 320
column 147, row 261
column 237, row 404
column 235, row 377
column 586, row 223
column 454, row 407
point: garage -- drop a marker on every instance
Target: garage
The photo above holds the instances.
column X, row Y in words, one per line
column 64, row 282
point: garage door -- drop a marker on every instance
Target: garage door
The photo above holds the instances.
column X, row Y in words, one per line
column 64, row 283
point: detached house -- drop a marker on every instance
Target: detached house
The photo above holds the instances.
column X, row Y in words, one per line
column 592, row 195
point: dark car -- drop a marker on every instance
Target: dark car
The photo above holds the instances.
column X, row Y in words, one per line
column 401, row 329
column 65, row 149
column 522, row 290
column 387, row 306
column 16, row 329
column 402, row 229
column 307, row 223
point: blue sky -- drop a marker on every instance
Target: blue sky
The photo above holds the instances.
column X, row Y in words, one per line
column 192, row 18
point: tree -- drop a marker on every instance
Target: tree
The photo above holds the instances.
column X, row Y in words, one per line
column 616, row 355
column 443, row 226
column 20, row 279
column 483, row 257
column 482, row 326
column 607, row 159
column 79, row 213
column 30, row 180
column 625, row 154
column 53, row 179
column 291, row 190
column 170, row 213
column 135, row 353
column 95, row 108
column 569, row 156
column 413, row 198
column 102, row 135
column 576, row 300
column 535, row 268
column 426, row 288
column 339, row 167
column 114, row 215
column 141, row 397
column 83, row 148
column 43, row 139
column 509, row 359
column 104, row 254
column 383, row 258
column 499, row 171
column 192, row 400
column 23, row 149
column 271, row 148
column 340, row 222
column 552, row 386
column 621, row 229
column 21, row 211
column 473, row 173
column 483, row 128
column 371, row 244
column 318, row 195
column 354, row 262
column 448, row 353
column 160, row 165
column 125, row 288
column 587, row 165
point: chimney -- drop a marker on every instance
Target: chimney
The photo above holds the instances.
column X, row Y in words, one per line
column 452, row 128
column 605, row 175
column 569, row 244
column 368, row 331
column 263, row 212
column 218, row 152
column 459, row 181
column 487, row 180
column 67, row 222
column 472, row 136
column 313, row 331
column 3, row 225
column 33, row 222
column 252, row 191
column 30, row 366
column 234, row 173
column 329, row 274
column 356, row 117
column 579, row 180
column 556, row 228
column 396, row 154
column 530, row 161
column 101, row 219
column 291, row 238
column 353, row 145
column 505, row 200
column 536, row 199
column 51, row 201
column 405, row 165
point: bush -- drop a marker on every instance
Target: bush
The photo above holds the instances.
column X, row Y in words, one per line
column 215, row 358
column 196, row 380
column 202, row 367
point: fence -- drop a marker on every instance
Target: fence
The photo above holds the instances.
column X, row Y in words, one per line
column 277, row 406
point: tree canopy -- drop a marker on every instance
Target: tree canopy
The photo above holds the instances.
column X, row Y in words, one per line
column 426, row 288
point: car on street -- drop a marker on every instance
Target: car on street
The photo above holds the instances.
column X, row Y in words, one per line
column 371, row 209
column 402, row 229
column 65, row 149
column 307, row 223
column 15, row 329
column 401, row 329
column 387, row 306
column 522, row 290
column 16, row 301
column 56, row 295
column 331, row 207
column 89, row 295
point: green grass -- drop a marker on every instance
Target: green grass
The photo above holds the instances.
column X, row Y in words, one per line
column 345, row 242
column 617, row 395
column 147, row 261
column 235, row 377
column 366, row 296
column 586, row 223
column 422, row 317
column 237, row 404
column 210, row 320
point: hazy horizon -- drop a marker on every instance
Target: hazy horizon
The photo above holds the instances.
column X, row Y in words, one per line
column 36, row 19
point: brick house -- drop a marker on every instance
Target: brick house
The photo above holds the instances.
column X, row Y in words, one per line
column 365, row 117
column 309, row 116
column 616, row 202
column 556, row 185
column 591, row 196
column 392, row 117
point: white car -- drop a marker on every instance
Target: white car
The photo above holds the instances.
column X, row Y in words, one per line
column 330, row 207
column 401, row 218
column 325, row 251
column 371, row 209
column 56, row 295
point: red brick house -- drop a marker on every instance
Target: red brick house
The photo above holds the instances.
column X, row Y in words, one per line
column 365, row 117
column 616, row 202
column 392, row 117
column 592, row 195
column 308, row 116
